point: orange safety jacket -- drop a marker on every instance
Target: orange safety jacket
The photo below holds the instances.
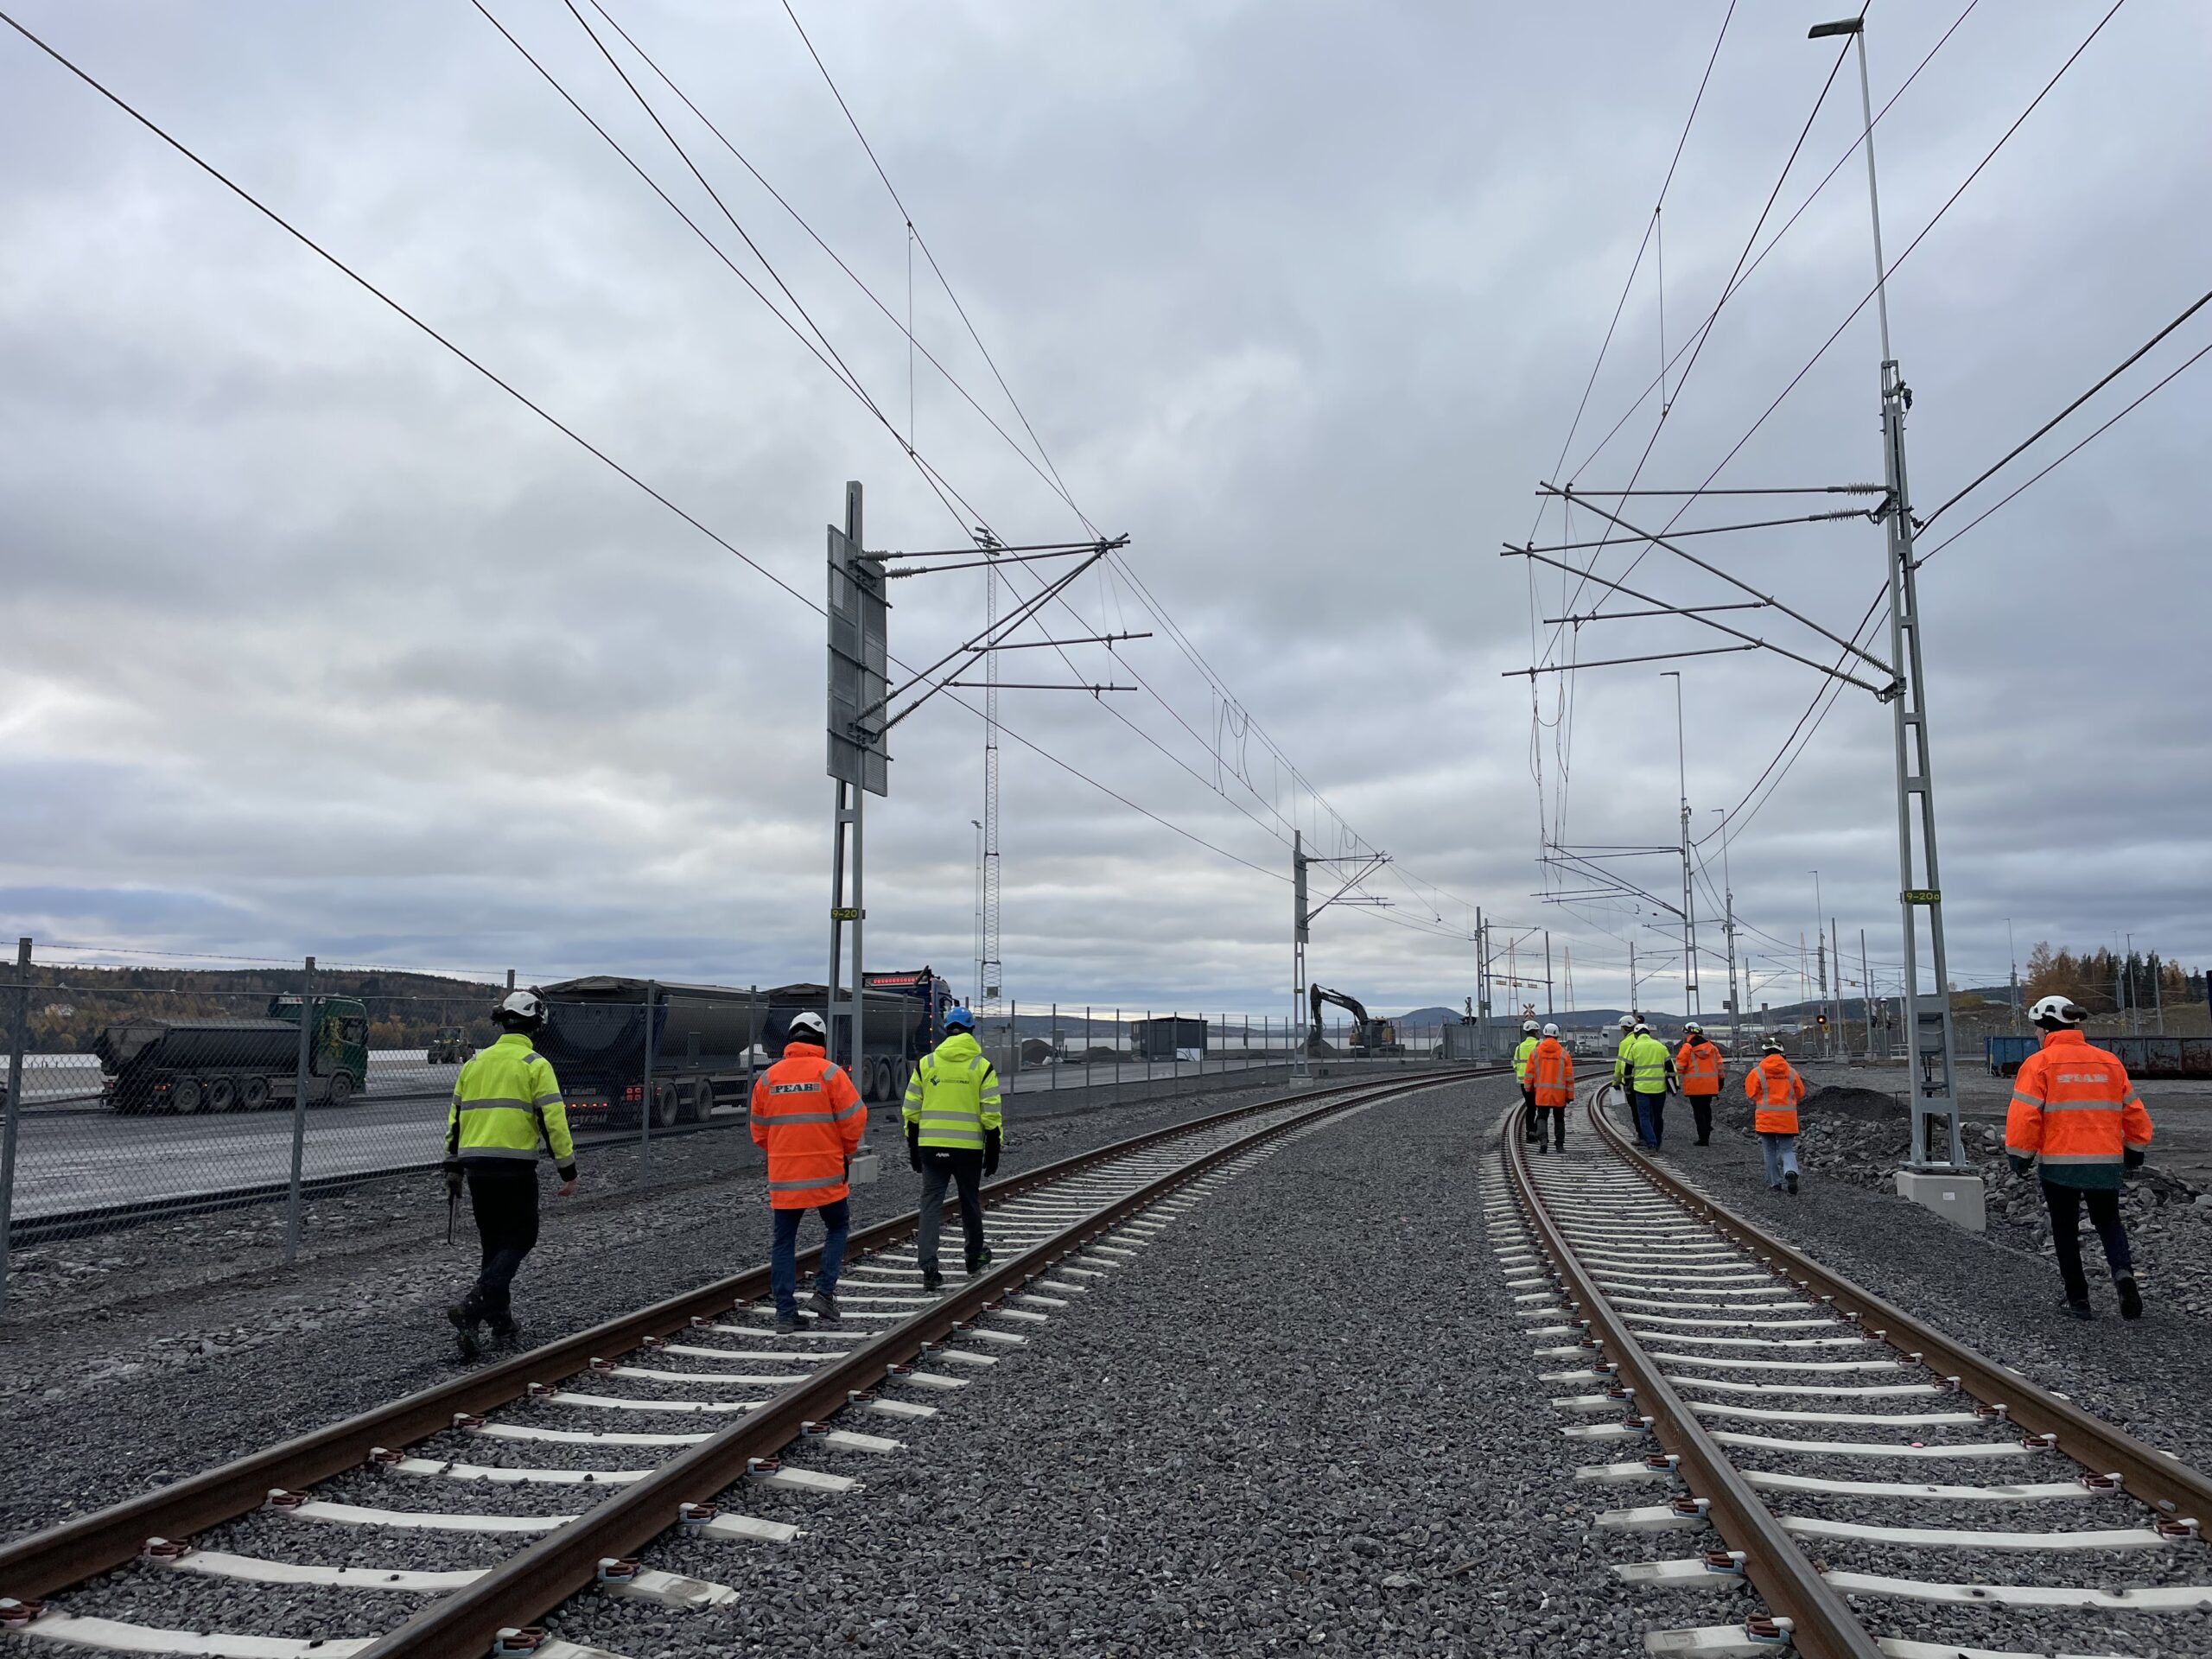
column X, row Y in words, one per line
column 1701, row 1068
column 1774, row 1088
column 1551, row 1070
column 808, row 1115
column 2072, row 1103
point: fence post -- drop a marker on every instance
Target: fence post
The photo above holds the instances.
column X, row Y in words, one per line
column 13, row 1105
column 1149, row 1092
column 511, row 979
column 1117, row 1046
column 1086, row 1056
column 302, row 1074
column 1052, row 1042
column 645, row 1086
column 1174, row 1054
column 1014, row 1036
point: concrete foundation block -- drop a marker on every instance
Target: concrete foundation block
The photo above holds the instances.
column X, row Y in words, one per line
column 1955, row 1198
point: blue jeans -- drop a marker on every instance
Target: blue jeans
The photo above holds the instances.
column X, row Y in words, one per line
column 783, row 1256
column 1780, row 1152
column 1650, row 1116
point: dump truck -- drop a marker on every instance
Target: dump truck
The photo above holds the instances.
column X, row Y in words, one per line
column 225, row 1066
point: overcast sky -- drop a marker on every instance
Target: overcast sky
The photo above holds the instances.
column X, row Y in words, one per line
column 316, row 640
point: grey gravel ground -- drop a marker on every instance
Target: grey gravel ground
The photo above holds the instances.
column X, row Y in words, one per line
column 1732, row 1173
column 1303, row 1419
column 2153, row 1376
column 199, row 1345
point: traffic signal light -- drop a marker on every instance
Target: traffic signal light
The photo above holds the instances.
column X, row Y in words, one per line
column 1823, row 1019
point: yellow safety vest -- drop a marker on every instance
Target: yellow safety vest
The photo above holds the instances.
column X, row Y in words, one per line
column 953, row 1095
column 506, row 1102
column 1521, row 1059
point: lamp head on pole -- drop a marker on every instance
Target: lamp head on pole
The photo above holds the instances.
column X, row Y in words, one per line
column 1844, row 25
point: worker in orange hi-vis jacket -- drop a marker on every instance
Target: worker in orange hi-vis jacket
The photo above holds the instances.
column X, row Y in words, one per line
column 1776, row 1087
column 2074, row 1107
column 1551, row 1076
column 1701, row 1068
column 810, row 1118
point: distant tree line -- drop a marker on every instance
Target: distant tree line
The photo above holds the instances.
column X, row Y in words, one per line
column 2104, row 981
column 69, row 1006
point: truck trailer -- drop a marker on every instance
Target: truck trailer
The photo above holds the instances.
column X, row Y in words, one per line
column 706, row 1043
column 223, row 1065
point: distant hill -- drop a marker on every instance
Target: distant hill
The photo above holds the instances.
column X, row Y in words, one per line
column 69, row 1006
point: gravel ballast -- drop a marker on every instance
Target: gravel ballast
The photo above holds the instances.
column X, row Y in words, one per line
column 1304, row 1419
column 200, row 1346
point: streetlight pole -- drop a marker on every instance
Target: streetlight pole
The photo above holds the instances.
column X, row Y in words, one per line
column 1928, row 1030
column 1820, row 927
column 1728, row 932
column 1689, row 907
column 2012, row 961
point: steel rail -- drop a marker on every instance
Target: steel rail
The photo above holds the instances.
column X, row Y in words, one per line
column 56, row 1557
column 533, row 1582
column 1821, row 1625
column 2176, row 1490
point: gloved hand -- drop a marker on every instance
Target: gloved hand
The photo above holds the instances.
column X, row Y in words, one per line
column 568, row 1187
column 2020, row 1165
column 990, row 1151
column 2132, row 1158
column 452, row 1181
column 914, row 1147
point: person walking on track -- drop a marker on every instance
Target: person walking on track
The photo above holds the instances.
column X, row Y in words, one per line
column 808, row 1116
column 2074, row 1107
column 1551, row 1074
column 954, row 1131
column 1645, row 1072
column 506, row 1104
column 1532, row 1128
column 1774, row 1087
column 1701, row 1068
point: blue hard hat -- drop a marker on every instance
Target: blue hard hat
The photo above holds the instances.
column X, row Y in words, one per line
column 959, row 1017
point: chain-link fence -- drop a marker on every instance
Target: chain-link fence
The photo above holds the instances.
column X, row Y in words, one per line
column 137, row 1093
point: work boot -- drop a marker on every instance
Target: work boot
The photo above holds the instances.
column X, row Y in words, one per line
column 1791, row 1180
column 2080, row 1309
column 790, row 1325
column 977, row 1263
column 825, row 1307
column 2131, row 1299
column 932, row 1281
column 507, row 1334
column 465, row 1320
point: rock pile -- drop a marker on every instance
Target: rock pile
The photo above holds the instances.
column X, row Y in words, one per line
column 1859, row 1136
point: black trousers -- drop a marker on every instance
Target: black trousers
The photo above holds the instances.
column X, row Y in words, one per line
column 942, row 1167
column 1702, row 1110
column 1558, row 1116
column 505, row 1202
column 1532, row 1124
column 2065, row 1203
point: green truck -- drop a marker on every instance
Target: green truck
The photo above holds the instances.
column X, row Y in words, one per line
column 449, row 1045
column 243, row 1066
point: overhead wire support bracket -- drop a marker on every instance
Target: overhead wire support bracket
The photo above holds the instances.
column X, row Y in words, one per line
column 1840, row 514
column 1833, row 639
column 1880, row 692
column 1805, row 489
column 1023, row 685
column 1673, row 610
column 1619, row 662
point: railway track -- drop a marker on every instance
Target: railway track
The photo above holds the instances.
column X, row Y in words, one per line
column 655, row 1423
column 1882, row 1488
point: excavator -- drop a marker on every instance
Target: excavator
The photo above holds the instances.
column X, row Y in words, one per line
column 1370, row 1036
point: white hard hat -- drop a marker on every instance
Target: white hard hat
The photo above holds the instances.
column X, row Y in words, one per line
column 1551, row 1031
column 1529, row 1027
column 806, row 1025
column 521, row 1005
column 1628, row 1022
column 1692, row 1025
column 1643, row 1030
column 2057, row 1013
